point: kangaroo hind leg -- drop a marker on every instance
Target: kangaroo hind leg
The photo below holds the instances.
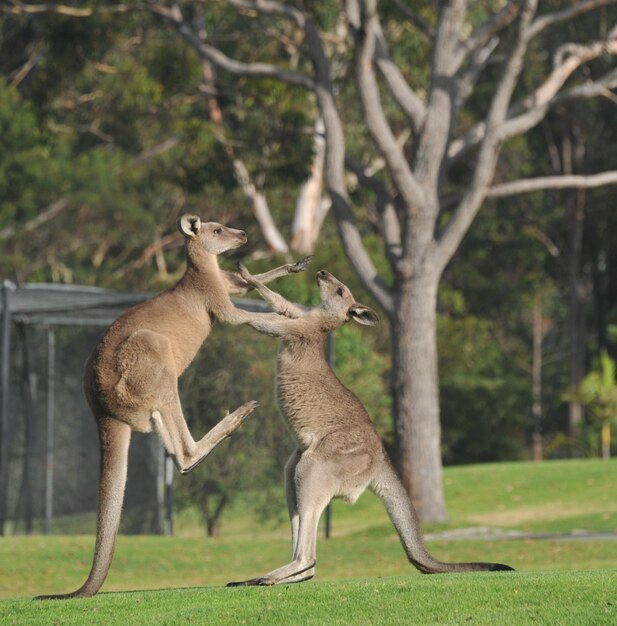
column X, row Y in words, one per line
column 313, row 492
column 187, row 453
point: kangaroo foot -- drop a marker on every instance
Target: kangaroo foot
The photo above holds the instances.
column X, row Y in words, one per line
column 233, row 421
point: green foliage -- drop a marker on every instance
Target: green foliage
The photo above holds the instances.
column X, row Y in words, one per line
column 484, row 400
column 31, row 165
column 112, row 120
column 364, row 371
column 598, row 389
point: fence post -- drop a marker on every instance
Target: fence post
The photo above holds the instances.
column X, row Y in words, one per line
column 51, row 400
column 7, row 287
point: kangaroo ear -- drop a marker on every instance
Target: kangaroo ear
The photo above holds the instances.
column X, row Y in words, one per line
column 363, row 314
column 189, row 225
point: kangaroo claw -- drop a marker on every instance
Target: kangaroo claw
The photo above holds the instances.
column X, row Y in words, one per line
column 300, row 266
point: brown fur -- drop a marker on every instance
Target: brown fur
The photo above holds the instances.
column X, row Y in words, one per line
column 130, row 380
column 339, row 452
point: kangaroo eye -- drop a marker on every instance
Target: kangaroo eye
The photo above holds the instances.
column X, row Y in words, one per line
column 218, row 231
column 339, row 291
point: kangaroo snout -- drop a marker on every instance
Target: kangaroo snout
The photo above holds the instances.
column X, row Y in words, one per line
column 323, row 275
column 240, row 234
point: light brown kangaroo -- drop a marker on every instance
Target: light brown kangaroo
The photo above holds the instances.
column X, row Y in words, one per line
column 131, row 378
column 339, row 452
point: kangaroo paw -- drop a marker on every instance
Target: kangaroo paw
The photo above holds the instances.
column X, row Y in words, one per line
column 300, row 266
column 244, row 273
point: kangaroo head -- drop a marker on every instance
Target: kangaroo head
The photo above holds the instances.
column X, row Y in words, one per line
column 338, row 301
column 211, row 236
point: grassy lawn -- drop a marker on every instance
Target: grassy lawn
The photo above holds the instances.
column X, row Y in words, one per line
column 518, row 598
column 362, row 575
column 554, row 496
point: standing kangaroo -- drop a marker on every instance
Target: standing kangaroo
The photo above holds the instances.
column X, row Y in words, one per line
column 131, row 378
column 339, row 452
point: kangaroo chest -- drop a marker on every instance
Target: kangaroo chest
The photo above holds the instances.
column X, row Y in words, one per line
column 311, row 398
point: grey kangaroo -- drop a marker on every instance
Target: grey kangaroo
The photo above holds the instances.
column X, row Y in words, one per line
column 339, row 452
column 131, row 378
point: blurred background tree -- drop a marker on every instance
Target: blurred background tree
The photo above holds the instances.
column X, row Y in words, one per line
column 598, row 392
column 112, row 126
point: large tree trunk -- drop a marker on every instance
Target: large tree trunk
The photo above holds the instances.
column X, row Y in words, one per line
column 576, row 312
column 572, row 160
column 415, row 392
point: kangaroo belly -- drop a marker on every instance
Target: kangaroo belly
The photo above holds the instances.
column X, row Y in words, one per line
column 312, row 407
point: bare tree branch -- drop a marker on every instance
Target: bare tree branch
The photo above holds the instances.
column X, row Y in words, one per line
column 438, row 126
column 311, row 205
column 259, row 207
column 550, row 19
column 20, row 74
column 417, row 20
column 528, row 112
column 218, row 58
column 484, row 170
column 154, row 151
column 534, row 116
column 46, row 215
column 256, row 200
column 389, row 223
column 364, row 28
column 479, row 47
column 477, row 62
column 528, row 185
column 335, row 175
column 487, row 31
column 270, row 7
column 411, row 105
column 20, row 8
column 153, row 250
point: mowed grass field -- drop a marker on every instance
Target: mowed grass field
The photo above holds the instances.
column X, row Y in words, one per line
column 362, row 574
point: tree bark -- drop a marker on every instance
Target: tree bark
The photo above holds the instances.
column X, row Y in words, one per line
column 415, row 393
column 536, row 370
column 576, row 310
column 572, row 160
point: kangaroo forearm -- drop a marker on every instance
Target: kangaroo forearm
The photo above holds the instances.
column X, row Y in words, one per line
column 277, row 272
column 278, row 302
column 271, row 324
column 238, row 286
column 275, row 300
column 235, row 316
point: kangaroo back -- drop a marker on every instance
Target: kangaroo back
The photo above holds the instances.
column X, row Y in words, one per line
column 115, row 437
column 389, row 488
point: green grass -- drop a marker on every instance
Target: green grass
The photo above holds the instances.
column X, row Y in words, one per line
column 554, row 496
column 362, row 575
column 540, row 598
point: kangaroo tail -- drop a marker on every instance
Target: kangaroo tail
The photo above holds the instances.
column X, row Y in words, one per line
column 405, row 519
column 115, row 437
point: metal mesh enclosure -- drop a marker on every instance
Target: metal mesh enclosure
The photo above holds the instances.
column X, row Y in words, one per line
column 49, row 445
column 72, row 463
